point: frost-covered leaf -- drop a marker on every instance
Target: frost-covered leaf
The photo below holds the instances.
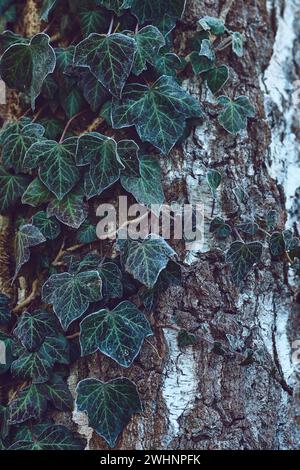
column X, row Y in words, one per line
column 32, row 329
column 47, row 7
column 128, row 152
column 27, row 237
column 29, row 403
column 71, row 99
column 145, row 187
column 277, row 244
column 234, row 116
column 56, row 162
column 216, row 78
column 219, row 228
column 200, row 63
column 100, row 152
column 118, row 333
column 55, row 437
column 92, row 20
column 207, row 50
column 48, row 226
column 250, row 228
column 16, row 144
column 242, row 256
column 71, row 294
column 58, row 393
column 149, row 41
column 36, row 194
column 94, row 93
column 5, row 314
column 238, row 44
column 11, row 189
column 118, row 6
column 86, row 233
column 9, row 38
column 25, row 66
column 145, row 260
column 71, row 210
column 109, row 406
column 148, row 10
column 214, row 179
column 168, row 64
column 112, row 280
column 215, row 25
column 109, row 58
column 158, row 111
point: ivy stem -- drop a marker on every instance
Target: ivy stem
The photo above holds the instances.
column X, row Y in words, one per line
column 237, row 233
column 264, row 231
column 117, row 27
column 75, row 335
column 68, row 125
column 136, row 27
column 224, row 44
column 154, row 348
column 29, row 299
column 48, row 26
column 16, row 392
column 63, row 251
column 110, row 25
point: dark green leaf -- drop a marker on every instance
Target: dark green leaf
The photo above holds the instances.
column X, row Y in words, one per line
column 92, row 21
column 168, row 64
column 216, row 78
column 53, row 128
column 118, row 334
column 277, row 244
column 30, row 402
column 214, row 179
column 220, row 228
column 148, row 10
column 27, row 237
column 158, row 112
column 237, row 44
column 118, row 6
column 112, row 280
column 47, row 8
column 94, row 93
column 86, row 233
column 242, row 256
column 71, row 294
column 200, row 63
column 32, row 329
column 25, row 66
column 48, row 226
column 71, row 100
column 71, row 210
column 234, row 116
column 36, row 194
column 9, row 38
column 58, row 393
column 109, row 58
column 109, row 405
column 149, row 41
column 11, row 189
column 215, row 25
column 54, row 437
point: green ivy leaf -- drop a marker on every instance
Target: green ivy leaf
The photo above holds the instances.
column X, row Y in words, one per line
column 207, row 50
column 47, row 7
column 36, row 194
column 15, row 145
column 238, row 44
column 128, row 151
column 27, row 237
column 94, row 93
column 214, row 179
column 215, row 25
column 242, row 256
column 149, row 10
column 111, row 279
column 71, row 294
column 158, row 111
column 109, row 405
column 25, row 66
column 54, row 437
column 149, row 41
column 146, row 188
column 56, row 162
column 119, row 334
column 216, row 78
column 30, row 402
column 118, row 6
column 11, row 189
column 101, row 153
column 92, row 20
column 109, row 58
column 71, row 210
column 145, row 260
column 48, row 226
column 9, row 38
column 168, row 64
column 71, row 99
column 200, row 63
column 5, row 314
column 220, row 228
column 234, row 116
column 277, row 244
column 58, row 393
column 86, row 233
column 53, row 128
column 32, row 329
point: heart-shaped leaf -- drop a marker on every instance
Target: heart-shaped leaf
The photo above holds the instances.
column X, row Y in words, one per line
column 30, row 402
column 48, row 226
column 109, row 405
column 215, row 25
column 237, row 44
column 169, row 64
column 234, row 116
column 5, row 314
column 158, row 111
column 27, row 237
column 146, row 188
column 86, row 233
column 71, row 294
column 200, row 63
column 71, row 210
column 216, row 78
column 54, row 437
column 36, row 194
column 220, row 228
column 214, row 179
column 112, row 280
column 56, row 162
column 145, row 260
column 149, row 10
column 11, row 189
column 32, row 329
column 277, row 244
column 109, row 58
column 101, row 153
column 242, row 256
column 149, row 41
column 25, row 66
column 118, row 334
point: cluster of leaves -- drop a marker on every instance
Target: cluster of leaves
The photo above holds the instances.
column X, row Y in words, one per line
column 120, row 71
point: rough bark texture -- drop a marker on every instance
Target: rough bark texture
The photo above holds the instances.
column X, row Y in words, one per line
column 203, row 397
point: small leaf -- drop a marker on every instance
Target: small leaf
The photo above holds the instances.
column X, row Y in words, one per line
column 32, row 329
column 118, row 334
column 48, row 226
column 109, row 58
column 109, row 405
column 56, row 162
column 242, row 256
column 27, row 237
column 200, row 63
column 25, row 66
column 101, row 153
column 11, row 189
column 158, row 111
column 168, row 64
column 86, row 233
column 207, row 50
column 149, row 41
column 220, row 228
column 216, row 78
column 71, row 210
column 215, row 25
column 250, row 228
column 5, row 314
column 36, row 194
column 71, row 294
column 29, row 403
column 214, row 179
column 277, row 244
column 71, row 100
column 235, row 114
column 238, row 44
column 55, row 437
column 145, row 260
